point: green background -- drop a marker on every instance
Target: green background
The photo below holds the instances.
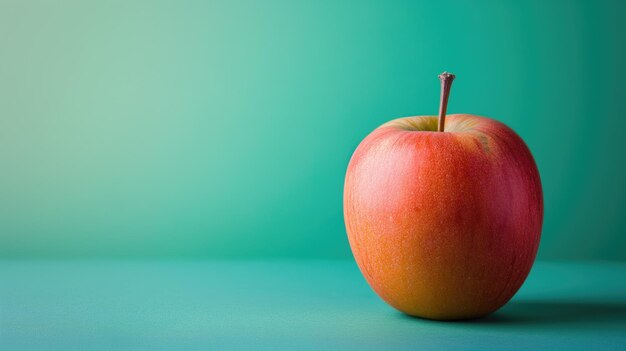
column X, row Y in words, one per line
column 223, row 129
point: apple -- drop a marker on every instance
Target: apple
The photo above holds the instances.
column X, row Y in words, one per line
column 443, row 214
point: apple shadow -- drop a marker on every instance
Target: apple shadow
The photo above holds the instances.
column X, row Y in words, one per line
column 555, row 314
column 565, row 313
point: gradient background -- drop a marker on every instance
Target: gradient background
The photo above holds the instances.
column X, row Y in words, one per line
column 222, row 129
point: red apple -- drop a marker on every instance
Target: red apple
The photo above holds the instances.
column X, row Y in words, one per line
column 444, row 224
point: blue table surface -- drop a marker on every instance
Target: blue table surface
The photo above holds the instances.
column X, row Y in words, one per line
column 294, row 305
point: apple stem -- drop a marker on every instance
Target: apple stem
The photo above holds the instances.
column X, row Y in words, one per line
column 446, row 83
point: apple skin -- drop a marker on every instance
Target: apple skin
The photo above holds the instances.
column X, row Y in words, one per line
column 444, row 225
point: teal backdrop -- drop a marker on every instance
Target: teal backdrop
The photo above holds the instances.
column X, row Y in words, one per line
column 222, row 129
